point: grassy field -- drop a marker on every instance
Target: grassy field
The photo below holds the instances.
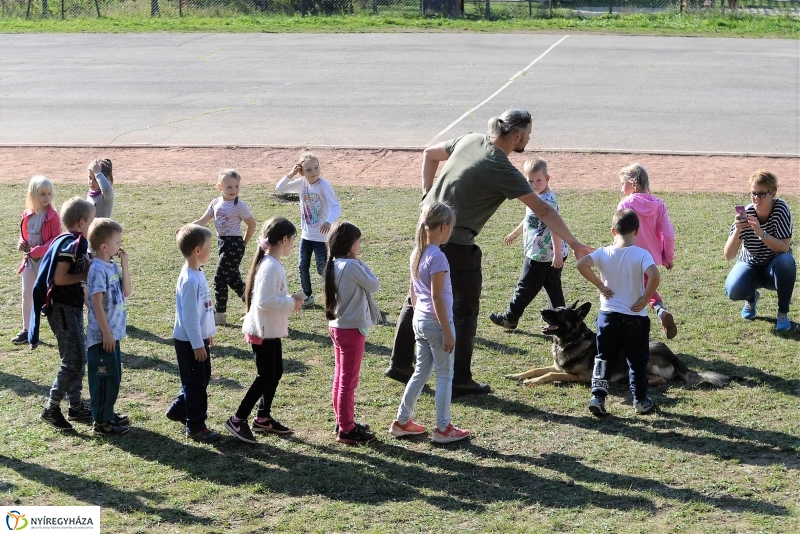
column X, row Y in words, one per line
column 721, row 461
column 667, row 23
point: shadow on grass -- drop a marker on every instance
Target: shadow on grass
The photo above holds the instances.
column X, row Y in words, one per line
column 715, row 438
column 499, row 347
column 98, row 493
column 144, row 335
column 22, row 386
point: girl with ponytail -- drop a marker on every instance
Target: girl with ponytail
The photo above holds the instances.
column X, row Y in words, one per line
column 350, row 310
column 432, row 298
column 267, row 321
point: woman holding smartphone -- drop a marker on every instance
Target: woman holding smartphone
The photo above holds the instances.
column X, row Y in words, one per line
column 764, row 232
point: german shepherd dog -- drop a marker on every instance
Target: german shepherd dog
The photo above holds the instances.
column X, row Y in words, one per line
column 574, row 350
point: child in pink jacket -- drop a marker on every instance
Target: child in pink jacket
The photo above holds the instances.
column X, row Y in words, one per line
column 656, row 234
column 40, row 224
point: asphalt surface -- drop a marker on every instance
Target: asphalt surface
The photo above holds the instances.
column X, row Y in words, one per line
column 591, row 92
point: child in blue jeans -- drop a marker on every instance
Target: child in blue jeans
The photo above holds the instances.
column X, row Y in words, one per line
column 432, row 298
column 193, row 334
column 622, row 324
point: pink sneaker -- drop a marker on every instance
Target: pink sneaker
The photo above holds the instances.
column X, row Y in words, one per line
column 409, row 429
column 449, row 434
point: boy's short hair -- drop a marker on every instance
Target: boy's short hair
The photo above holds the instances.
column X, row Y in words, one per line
column 191, row 236
column 625, row 222
column 74, row 209
column 766, row 179
column 535, row 164
column 101, row 230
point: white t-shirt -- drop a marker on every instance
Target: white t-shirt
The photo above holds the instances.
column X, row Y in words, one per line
column 228, row 216
column 318, row 205
column 622, row 270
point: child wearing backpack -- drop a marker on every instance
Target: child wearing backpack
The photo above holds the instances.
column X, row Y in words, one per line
column 59, row 294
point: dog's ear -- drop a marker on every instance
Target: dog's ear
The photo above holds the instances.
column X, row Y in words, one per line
column 573, row 305
column 584, row 310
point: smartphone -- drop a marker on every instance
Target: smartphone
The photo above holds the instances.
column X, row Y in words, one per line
column 740, row 213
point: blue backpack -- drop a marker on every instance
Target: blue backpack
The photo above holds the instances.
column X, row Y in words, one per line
column 43, row 287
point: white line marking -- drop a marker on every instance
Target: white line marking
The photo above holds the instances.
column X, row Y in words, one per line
column 509, row 82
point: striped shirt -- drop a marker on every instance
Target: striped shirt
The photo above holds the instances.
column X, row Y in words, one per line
column 778, row 225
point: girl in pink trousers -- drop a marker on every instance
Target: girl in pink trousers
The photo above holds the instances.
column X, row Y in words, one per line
column 656, row 234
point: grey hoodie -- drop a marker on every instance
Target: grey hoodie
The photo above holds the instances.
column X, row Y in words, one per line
column 354, row 284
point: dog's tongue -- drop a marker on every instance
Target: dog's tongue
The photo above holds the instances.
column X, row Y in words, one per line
column 548, row 328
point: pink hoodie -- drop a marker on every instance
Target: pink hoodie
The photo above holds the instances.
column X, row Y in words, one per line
column 656, row 234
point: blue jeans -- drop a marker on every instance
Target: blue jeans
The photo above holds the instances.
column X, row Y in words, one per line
column 779, row 275
column 429, row 353
column 320, row 251
column 618, row 335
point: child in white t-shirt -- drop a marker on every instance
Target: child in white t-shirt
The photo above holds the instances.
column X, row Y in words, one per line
column 622, row 324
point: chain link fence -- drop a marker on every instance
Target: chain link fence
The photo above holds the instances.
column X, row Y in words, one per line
column 474, row 9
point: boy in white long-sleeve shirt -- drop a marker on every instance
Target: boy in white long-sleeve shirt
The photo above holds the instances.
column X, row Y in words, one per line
column 319, row 209
column 193, row 334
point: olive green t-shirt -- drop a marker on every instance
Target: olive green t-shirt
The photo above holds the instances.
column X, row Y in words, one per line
column 476, row 179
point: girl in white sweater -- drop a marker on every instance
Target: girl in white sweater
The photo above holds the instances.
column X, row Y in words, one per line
column 268, row 306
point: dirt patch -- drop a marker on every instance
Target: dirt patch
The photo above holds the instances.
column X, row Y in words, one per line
column 385, row 168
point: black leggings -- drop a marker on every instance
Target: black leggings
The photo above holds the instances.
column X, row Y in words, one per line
column 269, row 364
column 231, row 252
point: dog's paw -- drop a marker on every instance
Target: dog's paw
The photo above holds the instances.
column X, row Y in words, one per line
column 531, row 382
column 513, row 377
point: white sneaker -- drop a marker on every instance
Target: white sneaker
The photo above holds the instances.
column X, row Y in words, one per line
column 308, row 303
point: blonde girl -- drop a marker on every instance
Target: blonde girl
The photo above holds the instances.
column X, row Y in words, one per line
column 351, row 310
column 319, row 209
column 40, row 224
column 228, row 212
column 432, row 298
column 656, row 234
column 266, row 322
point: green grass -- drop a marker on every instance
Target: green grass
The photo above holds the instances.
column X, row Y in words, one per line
column 668, row 23
column 708, row 461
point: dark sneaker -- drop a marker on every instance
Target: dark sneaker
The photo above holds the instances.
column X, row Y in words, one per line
column 598, row 406
column 336, row 428
column 401, row 374
column 500, row 319
column 307, row 303
column 270, row 425
column 240, row 430
column 471, row 388
column 645, row 406
column 357, row 436
column 204, row 436
column 21, row 338
column 81, row 414
column 668, row 324
column 54, row 417
column 110, row 429
column 121, row 419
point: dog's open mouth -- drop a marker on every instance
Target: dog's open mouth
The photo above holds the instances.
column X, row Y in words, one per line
column 549, row 329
